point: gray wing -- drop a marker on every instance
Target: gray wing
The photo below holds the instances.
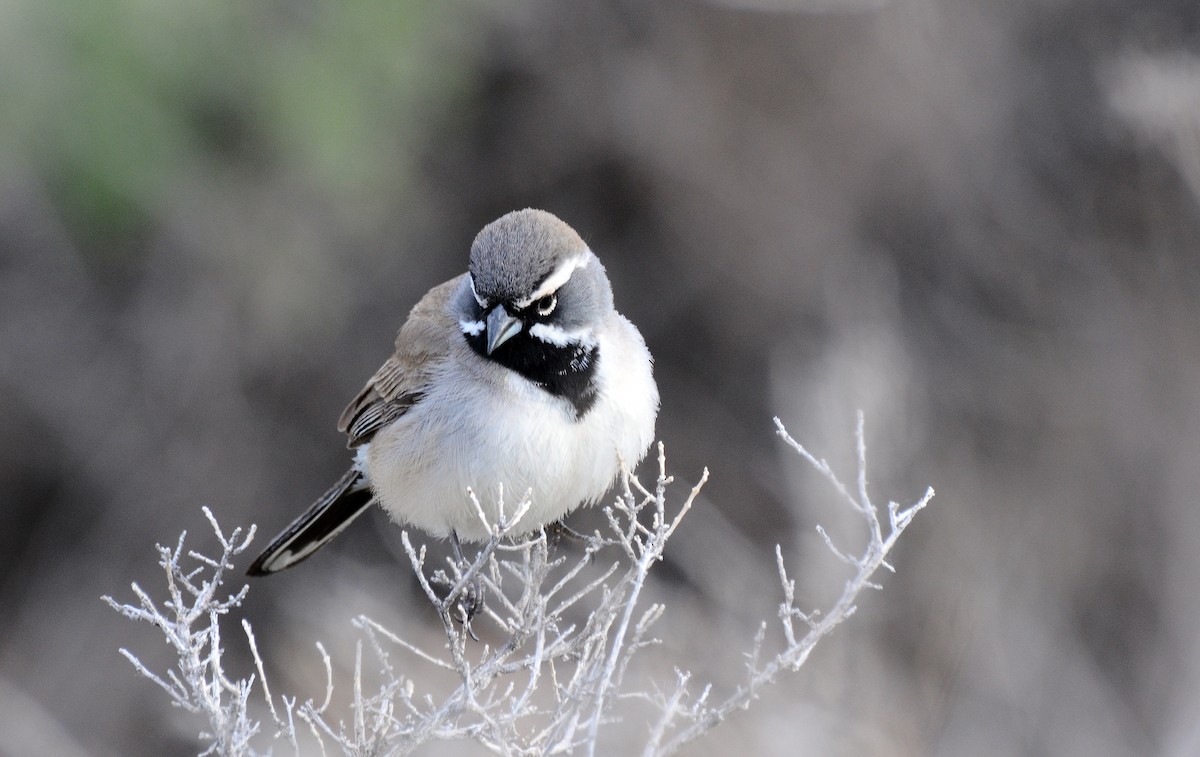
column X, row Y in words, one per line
column 423, row 342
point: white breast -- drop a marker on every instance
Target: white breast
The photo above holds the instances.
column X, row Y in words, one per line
column 482, row 426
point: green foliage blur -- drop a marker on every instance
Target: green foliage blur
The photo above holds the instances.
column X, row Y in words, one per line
column 122, row 106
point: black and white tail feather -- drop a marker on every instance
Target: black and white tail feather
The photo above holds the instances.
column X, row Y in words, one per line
column 327, row 517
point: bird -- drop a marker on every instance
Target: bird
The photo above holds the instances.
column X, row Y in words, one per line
column 516, row 377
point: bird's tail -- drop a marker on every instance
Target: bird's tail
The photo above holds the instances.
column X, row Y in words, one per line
column 324, row 520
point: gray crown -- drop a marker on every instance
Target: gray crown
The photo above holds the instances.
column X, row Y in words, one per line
column 514, row 254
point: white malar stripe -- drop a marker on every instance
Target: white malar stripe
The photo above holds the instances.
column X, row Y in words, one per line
column 561, row 338
column 556, row 279
column 471, row 328
column 360, row 457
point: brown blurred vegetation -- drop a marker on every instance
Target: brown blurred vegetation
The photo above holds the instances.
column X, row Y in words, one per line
column 975, row 220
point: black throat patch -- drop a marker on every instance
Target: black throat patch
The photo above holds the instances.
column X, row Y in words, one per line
column 567, row 371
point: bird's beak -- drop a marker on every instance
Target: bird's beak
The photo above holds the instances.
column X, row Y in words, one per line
column 500, row 328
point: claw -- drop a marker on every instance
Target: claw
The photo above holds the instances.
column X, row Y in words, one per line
column 471, row 602
column 558, row 531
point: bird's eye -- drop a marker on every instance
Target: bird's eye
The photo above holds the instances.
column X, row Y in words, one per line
column 545, row 306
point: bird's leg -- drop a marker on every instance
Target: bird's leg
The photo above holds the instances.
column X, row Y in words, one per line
column 472, row 596
column 559, row 531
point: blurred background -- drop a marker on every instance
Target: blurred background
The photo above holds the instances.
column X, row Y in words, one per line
column 975, row 220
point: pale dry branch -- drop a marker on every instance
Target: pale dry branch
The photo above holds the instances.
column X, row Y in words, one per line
column 189, row 620
column 796, row 649
column 569, row 632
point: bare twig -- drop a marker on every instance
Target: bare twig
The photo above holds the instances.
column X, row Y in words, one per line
column 565, row 633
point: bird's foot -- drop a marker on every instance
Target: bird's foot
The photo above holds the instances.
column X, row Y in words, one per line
column 470, row 603
column 471, row 599
column 558, row 532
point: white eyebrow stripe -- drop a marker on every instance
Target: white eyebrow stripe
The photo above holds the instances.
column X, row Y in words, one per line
column 556, row 279
column 482, row 302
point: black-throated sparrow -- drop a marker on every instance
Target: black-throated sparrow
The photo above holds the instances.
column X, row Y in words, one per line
column 518, row 373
